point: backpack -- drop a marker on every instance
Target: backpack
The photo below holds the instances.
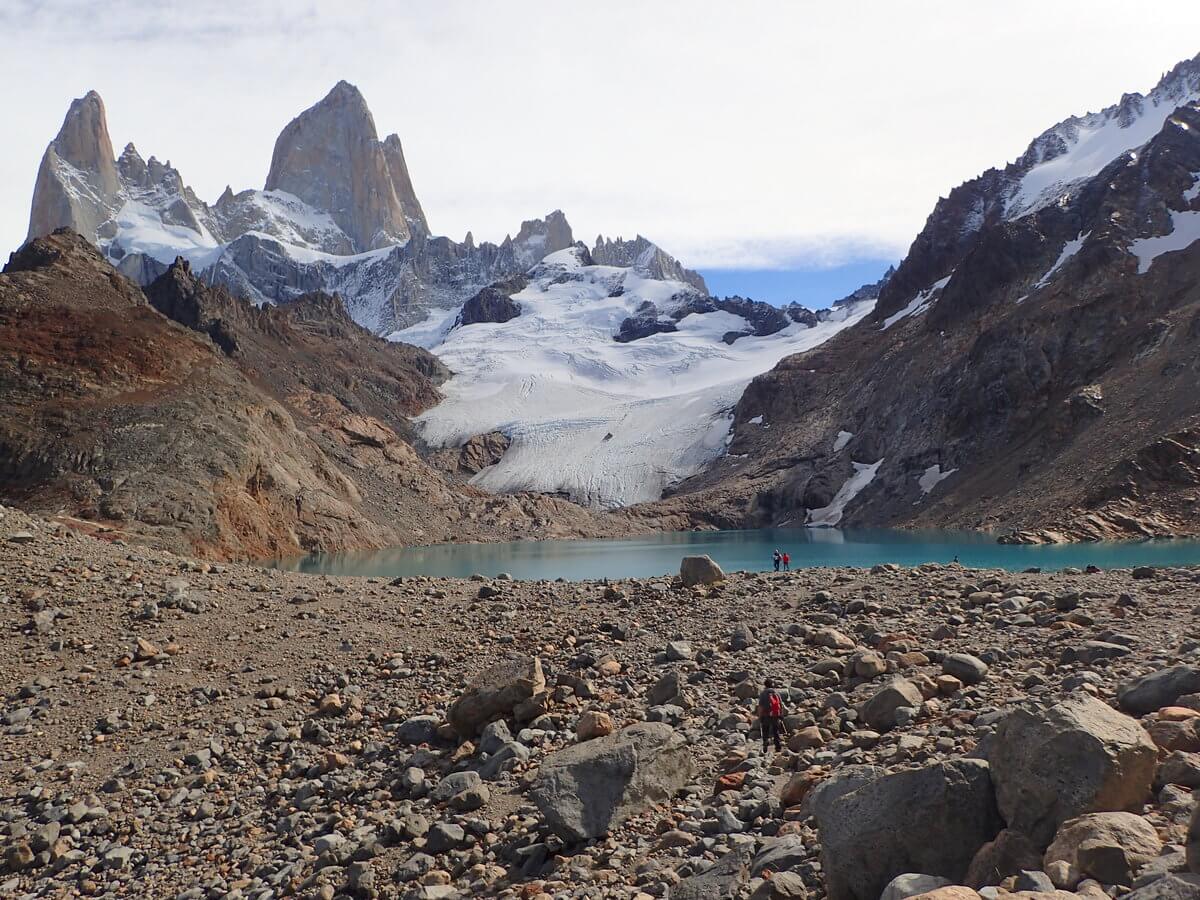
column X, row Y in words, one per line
column 774, row 706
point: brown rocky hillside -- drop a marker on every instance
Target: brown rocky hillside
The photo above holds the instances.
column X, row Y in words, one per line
column 241, row 433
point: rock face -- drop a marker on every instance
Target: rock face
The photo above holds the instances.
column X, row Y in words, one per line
column 930, row 820
column 585, row 790
column 402, row 183
column 482, row 451
column 646, row 258
column 1076, row 757
column 493, row 304
column 77, row 184
column 331, row 158
column 495, row 693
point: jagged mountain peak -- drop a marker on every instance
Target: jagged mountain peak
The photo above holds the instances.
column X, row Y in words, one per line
column 553, row 232
column 330, row 157
column 647, row 257
column 1050, row 173
column 77, row 183
column 339, row 213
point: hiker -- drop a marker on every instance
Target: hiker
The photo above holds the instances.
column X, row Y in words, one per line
column 787, row 563
column 770, row 715
column 778, row 558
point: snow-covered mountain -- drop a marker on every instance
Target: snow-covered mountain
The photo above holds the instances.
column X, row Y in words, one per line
column 608, row 422
column 338, row 212
column 1050, row 174
column 1030, row 366
column 610, row 370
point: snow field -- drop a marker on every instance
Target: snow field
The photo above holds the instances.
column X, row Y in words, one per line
column 610, row 424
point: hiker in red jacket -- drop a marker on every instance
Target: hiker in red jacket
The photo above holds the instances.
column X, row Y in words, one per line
column 770, row 715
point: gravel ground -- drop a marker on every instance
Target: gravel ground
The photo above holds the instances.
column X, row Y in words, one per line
column 175, row 728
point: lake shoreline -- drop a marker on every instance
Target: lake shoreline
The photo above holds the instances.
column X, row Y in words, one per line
column 750, row 550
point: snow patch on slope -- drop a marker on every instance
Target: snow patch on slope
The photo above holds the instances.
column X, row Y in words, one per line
column 1185, row 231
column 1092, row 142
column 843, row 438
column 1069, row 249
column 141, row 229
column 608, row 423
column 932, row 477
column 829, row 516
column 918, row 304
column 1193, row 192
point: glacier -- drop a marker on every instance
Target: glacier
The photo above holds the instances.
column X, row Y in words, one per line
column 607, row 423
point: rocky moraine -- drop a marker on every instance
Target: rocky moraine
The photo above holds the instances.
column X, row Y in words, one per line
column 184, row 729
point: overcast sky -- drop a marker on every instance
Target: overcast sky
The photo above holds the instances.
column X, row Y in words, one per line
column 737, row 135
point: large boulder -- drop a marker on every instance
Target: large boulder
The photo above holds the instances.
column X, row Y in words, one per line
column 585, row 790
column 779, row 854
column 1169, row 887
column 696, row 570
column 721, row 881
column 822, row 795
column 879, row 712
column 1109, row 846
column 1192, row 847
column 911, row 884
column 1009, row 854
column 1158, row 689
column 671, row 688
column 930, row 820
column 1078, row 756
column 495, row 692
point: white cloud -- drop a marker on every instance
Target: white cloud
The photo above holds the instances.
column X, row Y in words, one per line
column 760, row 134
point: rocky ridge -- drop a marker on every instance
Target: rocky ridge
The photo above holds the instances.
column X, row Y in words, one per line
column 180, row 728
column 1033, row 382
column 197, row 422
column 338, row 213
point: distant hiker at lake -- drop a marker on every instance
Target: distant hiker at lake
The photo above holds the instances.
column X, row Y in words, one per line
column 787, row 563
column 770, row 715
column 778, row 558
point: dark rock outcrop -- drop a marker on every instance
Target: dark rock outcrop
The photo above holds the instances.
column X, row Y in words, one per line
column 494, row 303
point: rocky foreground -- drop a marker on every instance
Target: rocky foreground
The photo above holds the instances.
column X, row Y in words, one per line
column 180, row 729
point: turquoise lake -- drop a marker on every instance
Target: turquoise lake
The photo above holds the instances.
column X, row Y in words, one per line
column 659, row 554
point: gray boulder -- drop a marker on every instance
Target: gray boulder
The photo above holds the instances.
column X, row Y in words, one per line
column 966, row 668
column 930, row 820
column 695, row 570
column 1075, row 757
column 585, row 790
column 1108, row 846
column 840, row 783
column 879, row 712
column 1158, row 689
column 495, row 692
column 1169, row 887
column 668, row 689
column 419, row 730
column 778, row 854
column 721, row 881
column 911, row 884
column 742, row 637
